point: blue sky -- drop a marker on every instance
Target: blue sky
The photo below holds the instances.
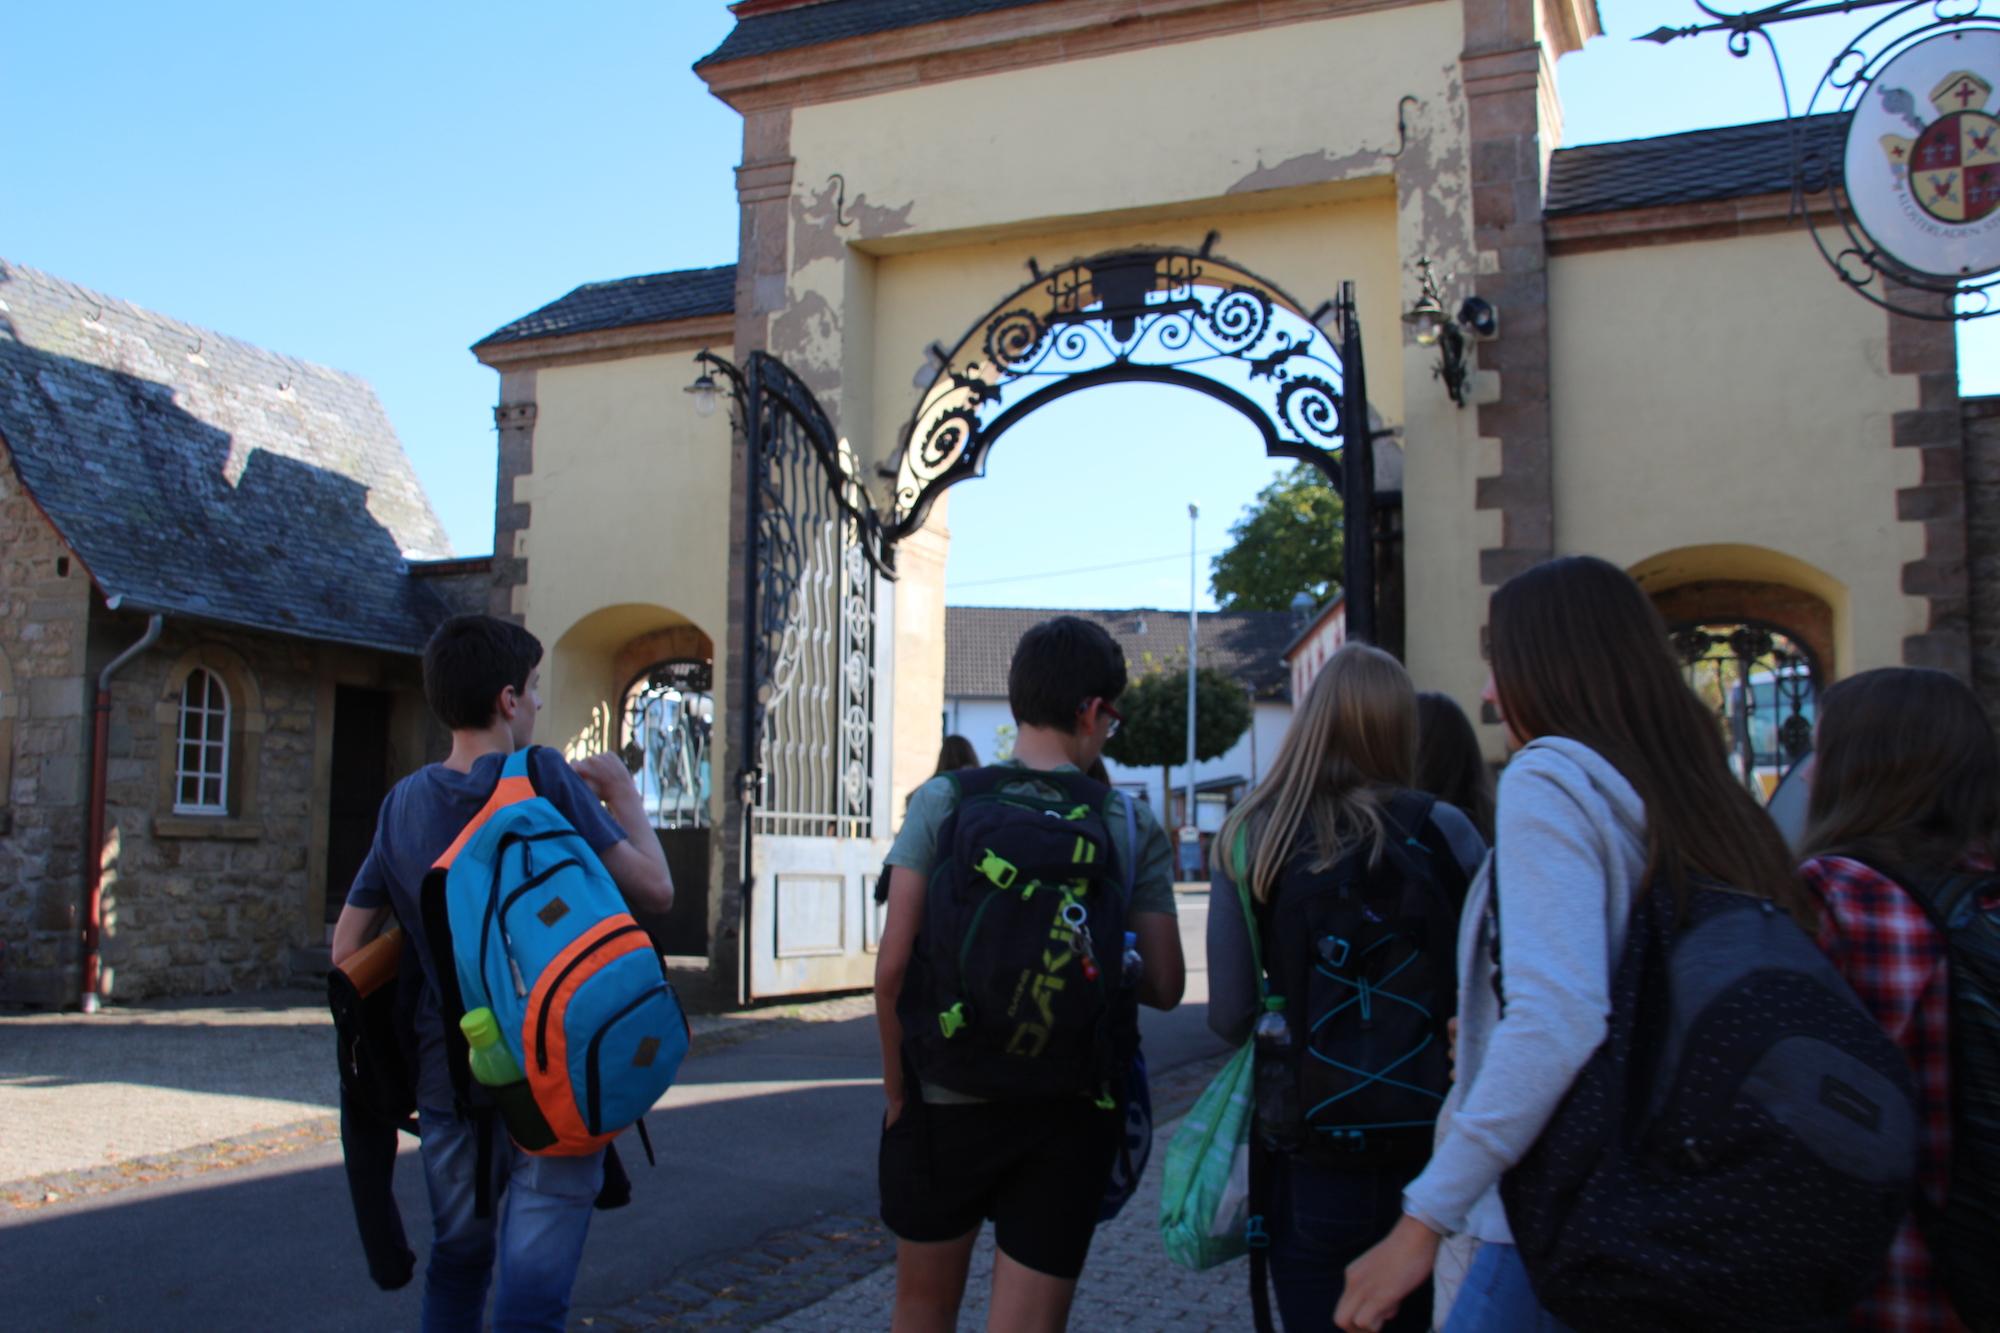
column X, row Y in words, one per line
column 374, row 186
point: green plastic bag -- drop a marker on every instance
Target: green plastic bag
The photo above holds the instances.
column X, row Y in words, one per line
column 1205, row 1183
column 1205, row 1190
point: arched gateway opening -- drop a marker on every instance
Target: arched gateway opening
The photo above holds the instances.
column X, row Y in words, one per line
column 813, row 808
column 1135, row 316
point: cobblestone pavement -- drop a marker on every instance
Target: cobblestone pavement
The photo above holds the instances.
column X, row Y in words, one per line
column 838, row 1272
column 138, row 1094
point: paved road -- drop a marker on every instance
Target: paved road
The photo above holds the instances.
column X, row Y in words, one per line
column 775, row 1132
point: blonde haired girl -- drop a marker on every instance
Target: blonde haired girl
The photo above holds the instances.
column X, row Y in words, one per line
column 1336, row 802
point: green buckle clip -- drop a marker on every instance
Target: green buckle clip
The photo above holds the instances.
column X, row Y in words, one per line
column 1001, row 872
column 1081, row 812
column 951, row 1020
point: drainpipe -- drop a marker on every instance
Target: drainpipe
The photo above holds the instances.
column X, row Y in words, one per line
column 100, row 742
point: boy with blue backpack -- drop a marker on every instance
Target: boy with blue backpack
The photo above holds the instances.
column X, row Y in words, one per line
column 480, row 676
column 1031, row 910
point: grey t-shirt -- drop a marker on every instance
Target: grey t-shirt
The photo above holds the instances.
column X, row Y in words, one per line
column 1153, row 878
column 1232, row 978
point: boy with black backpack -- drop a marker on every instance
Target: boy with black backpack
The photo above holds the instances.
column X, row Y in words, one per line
column 1007, row 997
column 480, row 676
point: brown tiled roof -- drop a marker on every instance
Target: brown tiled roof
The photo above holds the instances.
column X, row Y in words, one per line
column 831, row 20
column 1733, row 162
column 650, row 298
column 979, row 644
column 194, row 474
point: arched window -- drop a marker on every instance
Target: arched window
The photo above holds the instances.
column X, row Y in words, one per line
column 669, row 717
column 1764, row 687
column 201, row 763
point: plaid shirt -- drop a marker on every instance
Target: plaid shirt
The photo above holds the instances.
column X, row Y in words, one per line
column 1885, row 946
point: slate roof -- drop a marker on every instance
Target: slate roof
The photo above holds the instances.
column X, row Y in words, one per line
column 1733, row 162
column 197, row 475
column 979, row 644
column 832, row 20
column 650, row 298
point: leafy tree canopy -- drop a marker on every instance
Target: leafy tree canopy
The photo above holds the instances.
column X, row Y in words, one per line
column 1288, row 541
column 1154, row 733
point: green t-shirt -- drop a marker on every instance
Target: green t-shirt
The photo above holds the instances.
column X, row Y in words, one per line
column 1152, row 885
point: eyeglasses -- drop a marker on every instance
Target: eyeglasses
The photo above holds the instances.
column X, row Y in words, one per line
column 1117, row 718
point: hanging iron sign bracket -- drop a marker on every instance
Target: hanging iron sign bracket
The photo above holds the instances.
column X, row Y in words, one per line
column 1896, row 156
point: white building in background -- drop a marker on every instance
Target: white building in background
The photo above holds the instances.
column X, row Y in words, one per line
column 1316, row 639
column 1248, row 645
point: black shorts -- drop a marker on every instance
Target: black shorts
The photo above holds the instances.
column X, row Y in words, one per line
column 1037, row 1169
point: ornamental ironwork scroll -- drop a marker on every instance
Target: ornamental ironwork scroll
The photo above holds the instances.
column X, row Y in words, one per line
column 1896, row 155
column 1763, row 686
column 1162, row 315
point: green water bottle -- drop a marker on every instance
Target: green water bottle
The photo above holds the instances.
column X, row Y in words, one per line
column 494, row 1066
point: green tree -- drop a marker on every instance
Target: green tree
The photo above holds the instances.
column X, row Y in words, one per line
column 1288, row 541
column 1154, row 733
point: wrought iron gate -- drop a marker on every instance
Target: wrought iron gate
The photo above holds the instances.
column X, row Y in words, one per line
column 815, row 827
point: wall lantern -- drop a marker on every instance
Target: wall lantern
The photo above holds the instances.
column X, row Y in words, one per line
column 1433, row 326
column 706, row 391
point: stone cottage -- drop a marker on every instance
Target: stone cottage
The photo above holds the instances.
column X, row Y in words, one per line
column 233, row 545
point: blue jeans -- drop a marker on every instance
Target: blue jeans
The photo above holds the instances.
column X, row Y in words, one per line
column 1321, row 1221
column 1496, row 1297
column 536, row 1229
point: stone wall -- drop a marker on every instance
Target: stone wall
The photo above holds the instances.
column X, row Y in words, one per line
column 198, row 904
column 44, row 606
column 1982, row 504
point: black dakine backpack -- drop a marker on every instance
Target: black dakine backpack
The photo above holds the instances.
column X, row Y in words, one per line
column 1365, row 956
column 1015, row 988
column 1739, row 1152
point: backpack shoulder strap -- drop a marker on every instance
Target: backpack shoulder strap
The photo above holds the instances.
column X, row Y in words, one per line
column 1129, row 871
column 1406, row 816
column 1942, row 896
column 970, row 782
column 1238, row 858
column 515, row 786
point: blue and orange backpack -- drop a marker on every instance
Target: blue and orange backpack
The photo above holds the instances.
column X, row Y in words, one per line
column 522, row 918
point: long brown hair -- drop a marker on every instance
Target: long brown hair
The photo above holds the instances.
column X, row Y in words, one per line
column 1906, row 772
column 1579, row 651
column 954, row 754
column 1449, row 763
column 1355, row 732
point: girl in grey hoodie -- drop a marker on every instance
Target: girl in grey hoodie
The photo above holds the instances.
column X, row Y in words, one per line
column 1620, row 780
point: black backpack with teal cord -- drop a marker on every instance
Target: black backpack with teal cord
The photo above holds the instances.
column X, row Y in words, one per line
column 1016, row 988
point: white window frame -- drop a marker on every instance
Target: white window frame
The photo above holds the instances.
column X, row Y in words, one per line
column 213, row 764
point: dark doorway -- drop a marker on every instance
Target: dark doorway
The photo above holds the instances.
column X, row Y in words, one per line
column 360, row 780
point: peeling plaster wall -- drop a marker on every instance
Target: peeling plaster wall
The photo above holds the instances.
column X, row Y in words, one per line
column 1285, row 139
column 1294, row 103
column 1689, row 411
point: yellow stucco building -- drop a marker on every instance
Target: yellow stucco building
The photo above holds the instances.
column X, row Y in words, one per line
column 1677, row 384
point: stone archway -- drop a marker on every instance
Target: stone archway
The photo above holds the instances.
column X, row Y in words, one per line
column 1757, row 641
column 589, row 679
